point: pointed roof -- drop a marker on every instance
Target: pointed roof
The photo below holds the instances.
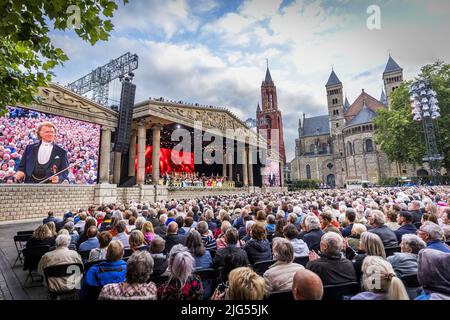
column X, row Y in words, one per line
column 383, row 98
column 258, row 109
column 346, row 104
column 333, row 79
column 392, row 66
column 316, row 126
column 365, row 115
column 364, row 99
column 268, row 79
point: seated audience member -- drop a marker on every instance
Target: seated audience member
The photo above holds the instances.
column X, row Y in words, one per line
column 121, row 235
column 404, row 263
column 380, row 282
column 180, row 222
column 51, row 217
column 433, row 274
column 307, row 285
column 220, row 241
column 89, row 222
column 131, row 224
column 161, row 230
column 245, row 284
column 355, row 236
column 370, row 245
column 113, row 270
column 74, row 236
column 280, row 275
column 279, row 227
column 183, row 284
column 92, row 241
column 432, row 234
column 376, row 220
column 52, row 227
column 405, row 221
column 232, row 239
column 326, row 219
column 331, row 267
column 313, row 233
column 291, row 233
column 80, row 224
column 414, row 209
column 148, row 231
column 159, row 258
column 258, row 247
column 139, row 269
column 350, row 217
column 42, row 236
column 172, row 237
column 196, row 247
column 104, row 238
column 270, row 224
column 61, row 255
column 136, row 241
column 391, row 218
column 248, row 230
column 207, row 238
column 231, row 261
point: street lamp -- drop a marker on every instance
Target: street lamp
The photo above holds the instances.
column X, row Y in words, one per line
column 425, row 108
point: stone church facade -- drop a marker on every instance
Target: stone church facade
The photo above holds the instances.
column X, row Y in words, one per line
column 339, row 147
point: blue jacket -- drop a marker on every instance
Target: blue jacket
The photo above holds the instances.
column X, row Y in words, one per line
column 438, row 245
column 89, row 244
column 405, row 229
column 58, row 160
column 347, row 231
column 204, row 261
column 105, row 273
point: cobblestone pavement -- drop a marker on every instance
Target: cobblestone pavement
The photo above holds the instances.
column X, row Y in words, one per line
column 12, row 277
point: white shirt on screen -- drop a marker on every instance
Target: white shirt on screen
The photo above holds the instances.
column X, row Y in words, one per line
column 44, row 153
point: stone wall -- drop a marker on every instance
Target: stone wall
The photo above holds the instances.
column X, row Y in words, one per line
column 19, row 202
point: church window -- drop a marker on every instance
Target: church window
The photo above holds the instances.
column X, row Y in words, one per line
column 308, row 171
column 369, row 145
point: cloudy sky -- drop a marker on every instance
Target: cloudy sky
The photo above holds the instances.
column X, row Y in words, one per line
column 214, row 51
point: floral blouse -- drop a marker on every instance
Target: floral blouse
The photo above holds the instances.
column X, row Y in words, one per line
column 192, row 289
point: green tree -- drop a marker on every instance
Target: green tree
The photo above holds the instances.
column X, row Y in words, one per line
column 401, row 138
column 27, row 55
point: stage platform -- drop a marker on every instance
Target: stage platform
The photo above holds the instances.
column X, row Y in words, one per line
column 28, row 201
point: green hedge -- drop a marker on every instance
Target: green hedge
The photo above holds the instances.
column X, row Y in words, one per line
column 304, row 184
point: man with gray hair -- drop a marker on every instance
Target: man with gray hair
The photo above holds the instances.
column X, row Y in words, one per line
column 414, row 208
column 405, row 262
column 313, row 232
column 61, row 255
column 432, row 234
column 331, row 267
column 376, row 220
column 121, row 236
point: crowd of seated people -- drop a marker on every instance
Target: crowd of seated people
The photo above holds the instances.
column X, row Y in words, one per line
column 191, row 179
column 308, row 241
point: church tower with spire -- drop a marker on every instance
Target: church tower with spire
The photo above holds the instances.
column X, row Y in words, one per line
column 269, row 116
column 392, row 78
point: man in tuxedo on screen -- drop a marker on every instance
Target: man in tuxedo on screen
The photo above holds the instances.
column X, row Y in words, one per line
column 43, row 159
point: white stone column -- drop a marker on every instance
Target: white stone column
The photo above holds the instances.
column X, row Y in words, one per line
column 244, row 167
column 156, row 144
column 105, row 154
column 250, row 168
column 140, row 177
column 117, row 166
column 132, row 156
column 230, row 167
column 224, row 165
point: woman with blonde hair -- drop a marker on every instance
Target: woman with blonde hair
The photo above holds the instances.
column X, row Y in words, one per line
column 245, row 284
column 370, row 244
column 41, row 236
column 51, row 225
column 380, row 281
column 148, row 231
column 355, row 236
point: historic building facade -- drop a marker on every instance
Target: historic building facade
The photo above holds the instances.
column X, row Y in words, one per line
column 339, row 147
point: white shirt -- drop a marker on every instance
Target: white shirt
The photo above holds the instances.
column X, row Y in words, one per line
column 44, row 153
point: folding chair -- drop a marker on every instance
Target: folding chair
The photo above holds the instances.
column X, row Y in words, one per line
column 412, row 285
column 279, row 295
column 209, row 281
column 261, row 266
column 391, row 250
column 85, row 255
column 32, row 256
column 337, row 292
column 20, row 241
column 302, row 260
column 61, row 271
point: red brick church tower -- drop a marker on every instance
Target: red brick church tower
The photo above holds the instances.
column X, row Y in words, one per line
column 270, row 117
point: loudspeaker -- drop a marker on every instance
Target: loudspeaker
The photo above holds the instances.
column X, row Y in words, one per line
column 123, row 134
